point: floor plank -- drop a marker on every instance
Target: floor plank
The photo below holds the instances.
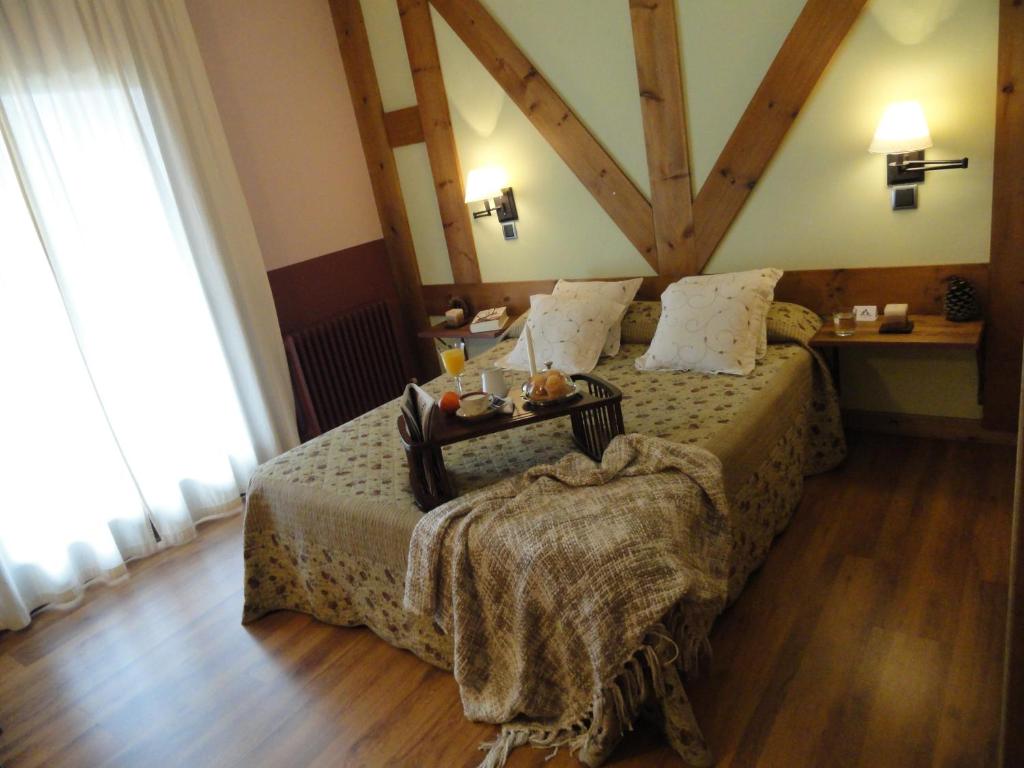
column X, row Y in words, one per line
column 871, row 637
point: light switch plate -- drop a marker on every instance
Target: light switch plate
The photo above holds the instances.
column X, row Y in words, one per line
column 903, row 198
column 865, row 314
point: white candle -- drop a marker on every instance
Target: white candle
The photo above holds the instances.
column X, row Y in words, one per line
column 529, row 351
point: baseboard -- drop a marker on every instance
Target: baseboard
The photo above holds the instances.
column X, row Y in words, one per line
column 919, row 425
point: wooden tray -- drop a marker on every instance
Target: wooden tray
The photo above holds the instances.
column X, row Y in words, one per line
column 596, row 417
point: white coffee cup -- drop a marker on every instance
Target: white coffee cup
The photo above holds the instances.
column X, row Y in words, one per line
column 493, row 382
column 474, row 403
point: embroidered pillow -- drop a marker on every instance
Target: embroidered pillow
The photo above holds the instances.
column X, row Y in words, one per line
column 621, row 292
column 712, row 323
column 569, row 333
column 791, row 322
column 640, row 322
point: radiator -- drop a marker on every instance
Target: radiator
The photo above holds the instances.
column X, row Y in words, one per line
column 344, row 367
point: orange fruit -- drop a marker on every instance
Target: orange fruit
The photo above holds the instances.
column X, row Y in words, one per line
column 449, row 402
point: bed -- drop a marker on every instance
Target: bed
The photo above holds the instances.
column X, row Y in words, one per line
column 328, row 524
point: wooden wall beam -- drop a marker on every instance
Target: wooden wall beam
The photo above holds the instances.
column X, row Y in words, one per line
column 1006, row 314
column 403, row 127
column 439, row 137
column 380, row 161
column 659, row 72
column 806, row 52
column 823, row 290
column 1011, row 740
column 600, row 174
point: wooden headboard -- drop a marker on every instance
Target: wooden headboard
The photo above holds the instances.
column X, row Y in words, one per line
column 823, row 290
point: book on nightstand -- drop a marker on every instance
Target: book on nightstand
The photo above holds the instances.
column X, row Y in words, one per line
column 492, row 319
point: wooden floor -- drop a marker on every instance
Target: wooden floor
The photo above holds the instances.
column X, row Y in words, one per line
column 872, row 636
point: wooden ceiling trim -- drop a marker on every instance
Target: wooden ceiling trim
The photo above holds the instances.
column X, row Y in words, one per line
column 554, row 119
column 807, row 50
column 822, row 290
column 1006, row 320
column 380, row 162
column 436, row 122
column 659, row 72
column 403, row 127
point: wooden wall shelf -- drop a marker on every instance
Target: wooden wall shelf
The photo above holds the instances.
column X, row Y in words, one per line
column 929, row 331
column 442, row 331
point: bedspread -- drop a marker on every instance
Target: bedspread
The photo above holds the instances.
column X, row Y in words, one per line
column 328, row 524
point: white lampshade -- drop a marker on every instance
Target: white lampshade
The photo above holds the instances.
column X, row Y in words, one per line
column 901, row 129
column 485, row 183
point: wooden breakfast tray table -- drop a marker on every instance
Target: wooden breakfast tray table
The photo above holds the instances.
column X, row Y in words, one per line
column 595, row 413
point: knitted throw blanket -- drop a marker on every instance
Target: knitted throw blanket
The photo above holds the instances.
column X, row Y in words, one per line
column 574, row 591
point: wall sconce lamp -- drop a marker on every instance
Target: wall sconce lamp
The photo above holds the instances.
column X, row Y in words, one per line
column 902, row 136
column 489, row 184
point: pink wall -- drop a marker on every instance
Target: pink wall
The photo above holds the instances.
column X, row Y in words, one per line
column 281, row 92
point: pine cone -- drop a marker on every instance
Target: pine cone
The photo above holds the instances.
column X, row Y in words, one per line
column 960, row 302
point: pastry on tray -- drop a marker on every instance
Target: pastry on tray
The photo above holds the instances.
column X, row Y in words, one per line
column 548, row 386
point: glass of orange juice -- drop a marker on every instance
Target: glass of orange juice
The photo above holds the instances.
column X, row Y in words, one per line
column 454, row 360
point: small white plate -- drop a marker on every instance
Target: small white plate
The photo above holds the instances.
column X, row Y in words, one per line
column 498, row 405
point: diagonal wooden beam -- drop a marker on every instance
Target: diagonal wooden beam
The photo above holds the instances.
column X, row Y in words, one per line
column 439, row 137
column 380, row 161
column 659, row 72
column 806, row 52
column 1006, row 321
column 557, row 123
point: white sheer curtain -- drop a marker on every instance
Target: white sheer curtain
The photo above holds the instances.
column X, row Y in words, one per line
column 143, row 376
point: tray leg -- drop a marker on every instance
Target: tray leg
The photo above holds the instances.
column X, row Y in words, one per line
column 591, row 431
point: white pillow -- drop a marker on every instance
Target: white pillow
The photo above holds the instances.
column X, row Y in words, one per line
column 622, row 292
column 712, row 323
column 567, row 332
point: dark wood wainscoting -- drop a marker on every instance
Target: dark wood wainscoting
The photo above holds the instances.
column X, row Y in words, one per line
column 312, row 292
column 319, row 289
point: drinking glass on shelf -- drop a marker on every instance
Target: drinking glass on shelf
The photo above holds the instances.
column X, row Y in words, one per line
column 844, row 323
column 454, row 360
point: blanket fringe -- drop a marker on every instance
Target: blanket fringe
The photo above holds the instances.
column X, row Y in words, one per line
column 690, row 630
column 680, row 641
column 509, row 738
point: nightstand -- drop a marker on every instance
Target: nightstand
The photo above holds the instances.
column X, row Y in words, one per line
column 932, row 331
column 461, row 334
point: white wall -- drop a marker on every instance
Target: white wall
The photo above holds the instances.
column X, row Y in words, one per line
column 280, row 88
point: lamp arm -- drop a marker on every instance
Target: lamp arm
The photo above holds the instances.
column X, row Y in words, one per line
column 485, row 212
column 930, row 165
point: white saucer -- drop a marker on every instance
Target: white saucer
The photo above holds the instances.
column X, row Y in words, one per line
column 497, row 406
